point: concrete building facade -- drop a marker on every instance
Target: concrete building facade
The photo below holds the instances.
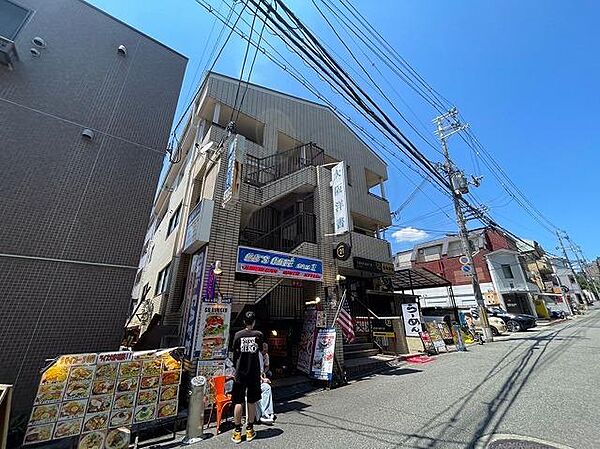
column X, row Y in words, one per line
column 86, row 106
column 285, row 204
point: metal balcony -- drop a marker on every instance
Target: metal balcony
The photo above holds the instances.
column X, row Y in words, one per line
column 262, row 171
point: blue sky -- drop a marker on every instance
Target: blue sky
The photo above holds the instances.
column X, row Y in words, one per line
column 523, row 74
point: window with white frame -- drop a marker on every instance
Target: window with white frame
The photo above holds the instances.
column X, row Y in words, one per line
column 162, row 282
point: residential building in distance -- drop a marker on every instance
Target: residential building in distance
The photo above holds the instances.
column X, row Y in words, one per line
column 540, row 270
column 281, row 208
column 86, row 106
column 573, row 292
column 503, row 280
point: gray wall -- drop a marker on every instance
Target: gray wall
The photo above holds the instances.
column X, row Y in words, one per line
column 65, row 198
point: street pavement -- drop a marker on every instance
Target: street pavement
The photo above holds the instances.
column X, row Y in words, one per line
column 542, row 384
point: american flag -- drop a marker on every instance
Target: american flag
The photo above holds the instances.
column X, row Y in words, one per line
column 345, row 320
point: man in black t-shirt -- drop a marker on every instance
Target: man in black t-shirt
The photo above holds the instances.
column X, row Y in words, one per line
column 246, row 347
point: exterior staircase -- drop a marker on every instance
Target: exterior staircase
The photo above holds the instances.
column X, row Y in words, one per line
column 362, row 358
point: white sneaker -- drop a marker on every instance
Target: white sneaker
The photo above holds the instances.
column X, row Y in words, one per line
column 267, row 420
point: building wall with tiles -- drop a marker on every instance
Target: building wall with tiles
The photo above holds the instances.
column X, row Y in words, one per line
column 69, row 199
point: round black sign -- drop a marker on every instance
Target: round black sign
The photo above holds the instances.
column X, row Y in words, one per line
column 342, row 251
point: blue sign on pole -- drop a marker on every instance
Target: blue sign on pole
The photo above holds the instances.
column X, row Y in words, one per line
column 273, row 263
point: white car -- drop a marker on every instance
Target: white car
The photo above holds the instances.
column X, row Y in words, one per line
column 496, row 324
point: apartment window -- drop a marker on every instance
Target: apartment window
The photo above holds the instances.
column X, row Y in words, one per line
column 507, row 271
column 162, row 283
column 174, row 220
column 349, row 175
column 12, row 18
column 571, row 279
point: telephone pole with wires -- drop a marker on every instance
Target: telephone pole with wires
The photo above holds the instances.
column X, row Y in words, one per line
column 566, row 256
column 582, row 264
column 447, row 125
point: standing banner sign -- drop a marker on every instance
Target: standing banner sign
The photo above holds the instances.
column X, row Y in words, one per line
column 307, row 341
column 193, row 295
column 322, row 364
column 98, row 397
column 233, row 180
column 412, row 319
column 339, row 185
column 210, row 369
column 213, row 330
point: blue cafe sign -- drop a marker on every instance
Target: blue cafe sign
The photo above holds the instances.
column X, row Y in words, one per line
column 273, row 263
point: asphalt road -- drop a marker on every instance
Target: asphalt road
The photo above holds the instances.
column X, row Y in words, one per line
column 543, row 383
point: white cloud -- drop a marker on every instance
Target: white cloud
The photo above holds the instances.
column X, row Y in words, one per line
column 409, row 234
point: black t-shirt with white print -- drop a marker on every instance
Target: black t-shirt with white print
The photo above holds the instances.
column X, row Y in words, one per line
column 246, row 347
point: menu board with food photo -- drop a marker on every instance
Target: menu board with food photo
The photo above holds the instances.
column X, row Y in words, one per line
column 171, row 378
column 38, row 434
column 145, row 413
column 124, row 400
column 213, row 330
column 103, row 387
column 107, row 371
column 72, row 409
column 152, row 368
column 169, row 392
column 120, row 418
column 117, row 439
column 167, row 409
column 44, row 414
column 129, row 384
column 77, row 389
column 68, row 428
column 147, row 397
column 149, row 382
column 92, row 440
column 130, row 369
column 96, row 421
column 90, row 394
column 99, row 404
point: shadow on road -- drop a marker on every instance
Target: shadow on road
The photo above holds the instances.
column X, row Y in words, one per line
column 534, row 357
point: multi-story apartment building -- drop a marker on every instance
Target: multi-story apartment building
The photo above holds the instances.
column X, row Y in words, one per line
column 286, row 148
column 86, row 106
column 540, row 270
column 496, row 259
column 571, row 289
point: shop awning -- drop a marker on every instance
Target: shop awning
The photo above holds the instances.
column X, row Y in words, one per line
column 412, row 278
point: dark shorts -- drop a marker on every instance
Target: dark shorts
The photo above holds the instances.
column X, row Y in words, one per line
column 246, row 388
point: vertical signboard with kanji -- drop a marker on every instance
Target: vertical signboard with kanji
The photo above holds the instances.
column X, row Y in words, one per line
column 233, row 179
column 339, row 184
column 412, row 319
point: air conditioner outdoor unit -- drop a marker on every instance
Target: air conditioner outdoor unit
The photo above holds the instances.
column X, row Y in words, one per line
column 8, row 52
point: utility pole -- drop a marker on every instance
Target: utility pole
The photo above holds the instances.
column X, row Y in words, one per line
column 447, row 125
column 582, row 264
column 566, row 256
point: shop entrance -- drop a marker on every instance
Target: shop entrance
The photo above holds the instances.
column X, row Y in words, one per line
column 517, row 303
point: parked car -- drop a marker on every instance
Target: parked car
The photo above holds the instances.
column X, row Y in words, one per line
column 496, row 324
column 515, row 322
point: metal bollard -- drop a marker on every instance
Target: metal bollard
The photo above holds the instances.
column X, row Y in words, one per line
column 194, row 431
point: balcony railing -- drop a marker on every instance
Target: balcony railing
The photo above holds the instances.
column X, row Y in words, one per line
column 285, row 237
column 261, row 171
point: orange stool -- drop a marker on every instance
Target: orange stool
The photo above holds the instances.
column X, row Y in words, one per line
column 222, row 399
